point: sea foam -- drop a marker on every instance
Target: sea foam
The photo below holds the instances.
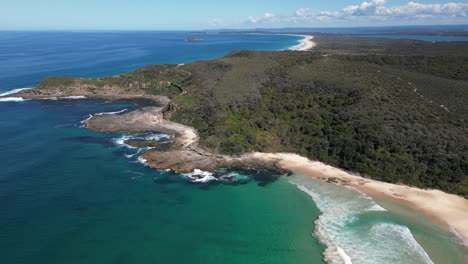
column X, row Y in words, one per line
column 357, row 230
column 73, row 97
column 14, row 91
column 111, row 113
column 13, row 99
column 199, row 176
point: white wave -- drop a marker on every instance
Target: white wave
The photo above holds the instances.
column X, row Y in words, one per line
column 73, row 97
column 120, row 141
column 157, row 137
column 355, row 229
column 111, row 113
column 89, row 117
column 133, row 155
column 142, row 161
column 199, row 176
column 14, row 91
column 344, row 256
column 376, row 208
column 13, row 99
column 50, row 98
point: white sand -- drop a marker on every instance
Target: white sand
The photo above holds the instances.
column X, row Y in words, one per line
column 306, row 43
column 448, row 210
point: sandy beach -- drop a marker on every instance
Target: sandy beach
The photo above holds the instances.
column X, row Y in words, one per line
column 448, row 210
column 306, row 43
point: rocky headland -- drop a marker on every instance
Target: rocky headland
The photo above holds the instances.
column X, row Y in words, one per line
column 256, row 109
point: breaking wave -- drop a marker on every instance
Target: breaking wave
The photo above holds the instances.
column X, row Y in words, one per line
column 73, row 97
column 112, row 113
column 357, row 230
column 199, row 176
column 120, row 141
column 12, row 99
column 14, row 91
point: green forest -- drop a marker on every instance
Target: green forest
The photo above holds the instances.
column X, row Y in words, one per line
column 392, row 110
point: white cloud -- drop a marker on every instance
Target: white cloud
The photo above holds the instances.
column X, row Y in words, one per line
column 265, row 19
column 374, row 10
column 216, row 22
column 378, row 9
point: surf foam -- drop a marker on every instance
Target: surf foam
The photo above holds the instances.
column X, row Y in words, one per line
column 13, row 99
column 14, row 91
column 199, row 176
column 355, row 229
column 73, row 97
column 111, row 113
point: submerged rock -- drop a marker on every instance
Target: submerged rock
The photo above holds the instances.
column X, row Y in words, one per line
column 145, row 143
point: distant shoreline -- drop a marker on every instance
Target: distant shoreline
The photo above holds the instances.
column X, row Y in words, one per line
column 305, row 44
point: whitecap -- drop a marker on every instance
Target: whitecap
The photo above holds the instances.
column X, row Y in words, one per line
column 133, row 155
column 120, row 141
column 142, row 161
column 13, row 99
column 157, row 136
column 111, row 113
column 89, row 117
column 14, row 91
column 73, row 97
column 199, row 176
column 346, row 259
column 50, row 98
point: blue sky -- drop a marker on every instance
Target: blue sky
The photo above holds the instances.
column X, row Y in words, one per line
column 206, row 14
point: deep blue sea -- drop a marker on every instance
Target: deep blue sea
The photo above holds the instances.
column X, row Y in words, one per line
column 27, row 57
column 70, row 195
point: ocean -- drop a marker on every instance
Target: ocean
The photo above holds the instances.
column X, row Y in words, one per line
column 70, row 195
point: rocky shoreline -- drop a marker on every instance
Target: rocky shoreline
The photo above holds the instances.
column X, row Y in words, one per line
column 185, row 155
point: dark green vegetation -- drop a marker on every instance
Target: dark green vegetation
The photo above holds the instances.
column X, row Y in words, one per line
column 143, row 143
column 395, row 110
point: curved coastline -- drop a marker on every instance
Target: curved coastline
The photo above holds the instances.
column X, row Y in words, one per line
column 448, row 210
column 306, row 43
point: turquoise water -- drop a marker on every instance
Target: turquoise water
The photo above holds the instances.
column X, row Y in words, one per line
column 430, row 38
column 355, row 226
column 70, row 195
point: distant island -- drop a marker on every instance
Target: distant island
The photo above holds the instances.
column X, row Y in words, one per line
column 195, row 39
column 392, row 110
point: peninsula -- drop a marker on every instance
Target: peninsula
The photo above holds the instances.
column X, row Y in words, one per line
column 394, row 111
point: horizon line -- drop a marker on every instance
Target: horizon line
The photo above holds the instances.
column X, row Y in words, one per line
column 245, row 29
